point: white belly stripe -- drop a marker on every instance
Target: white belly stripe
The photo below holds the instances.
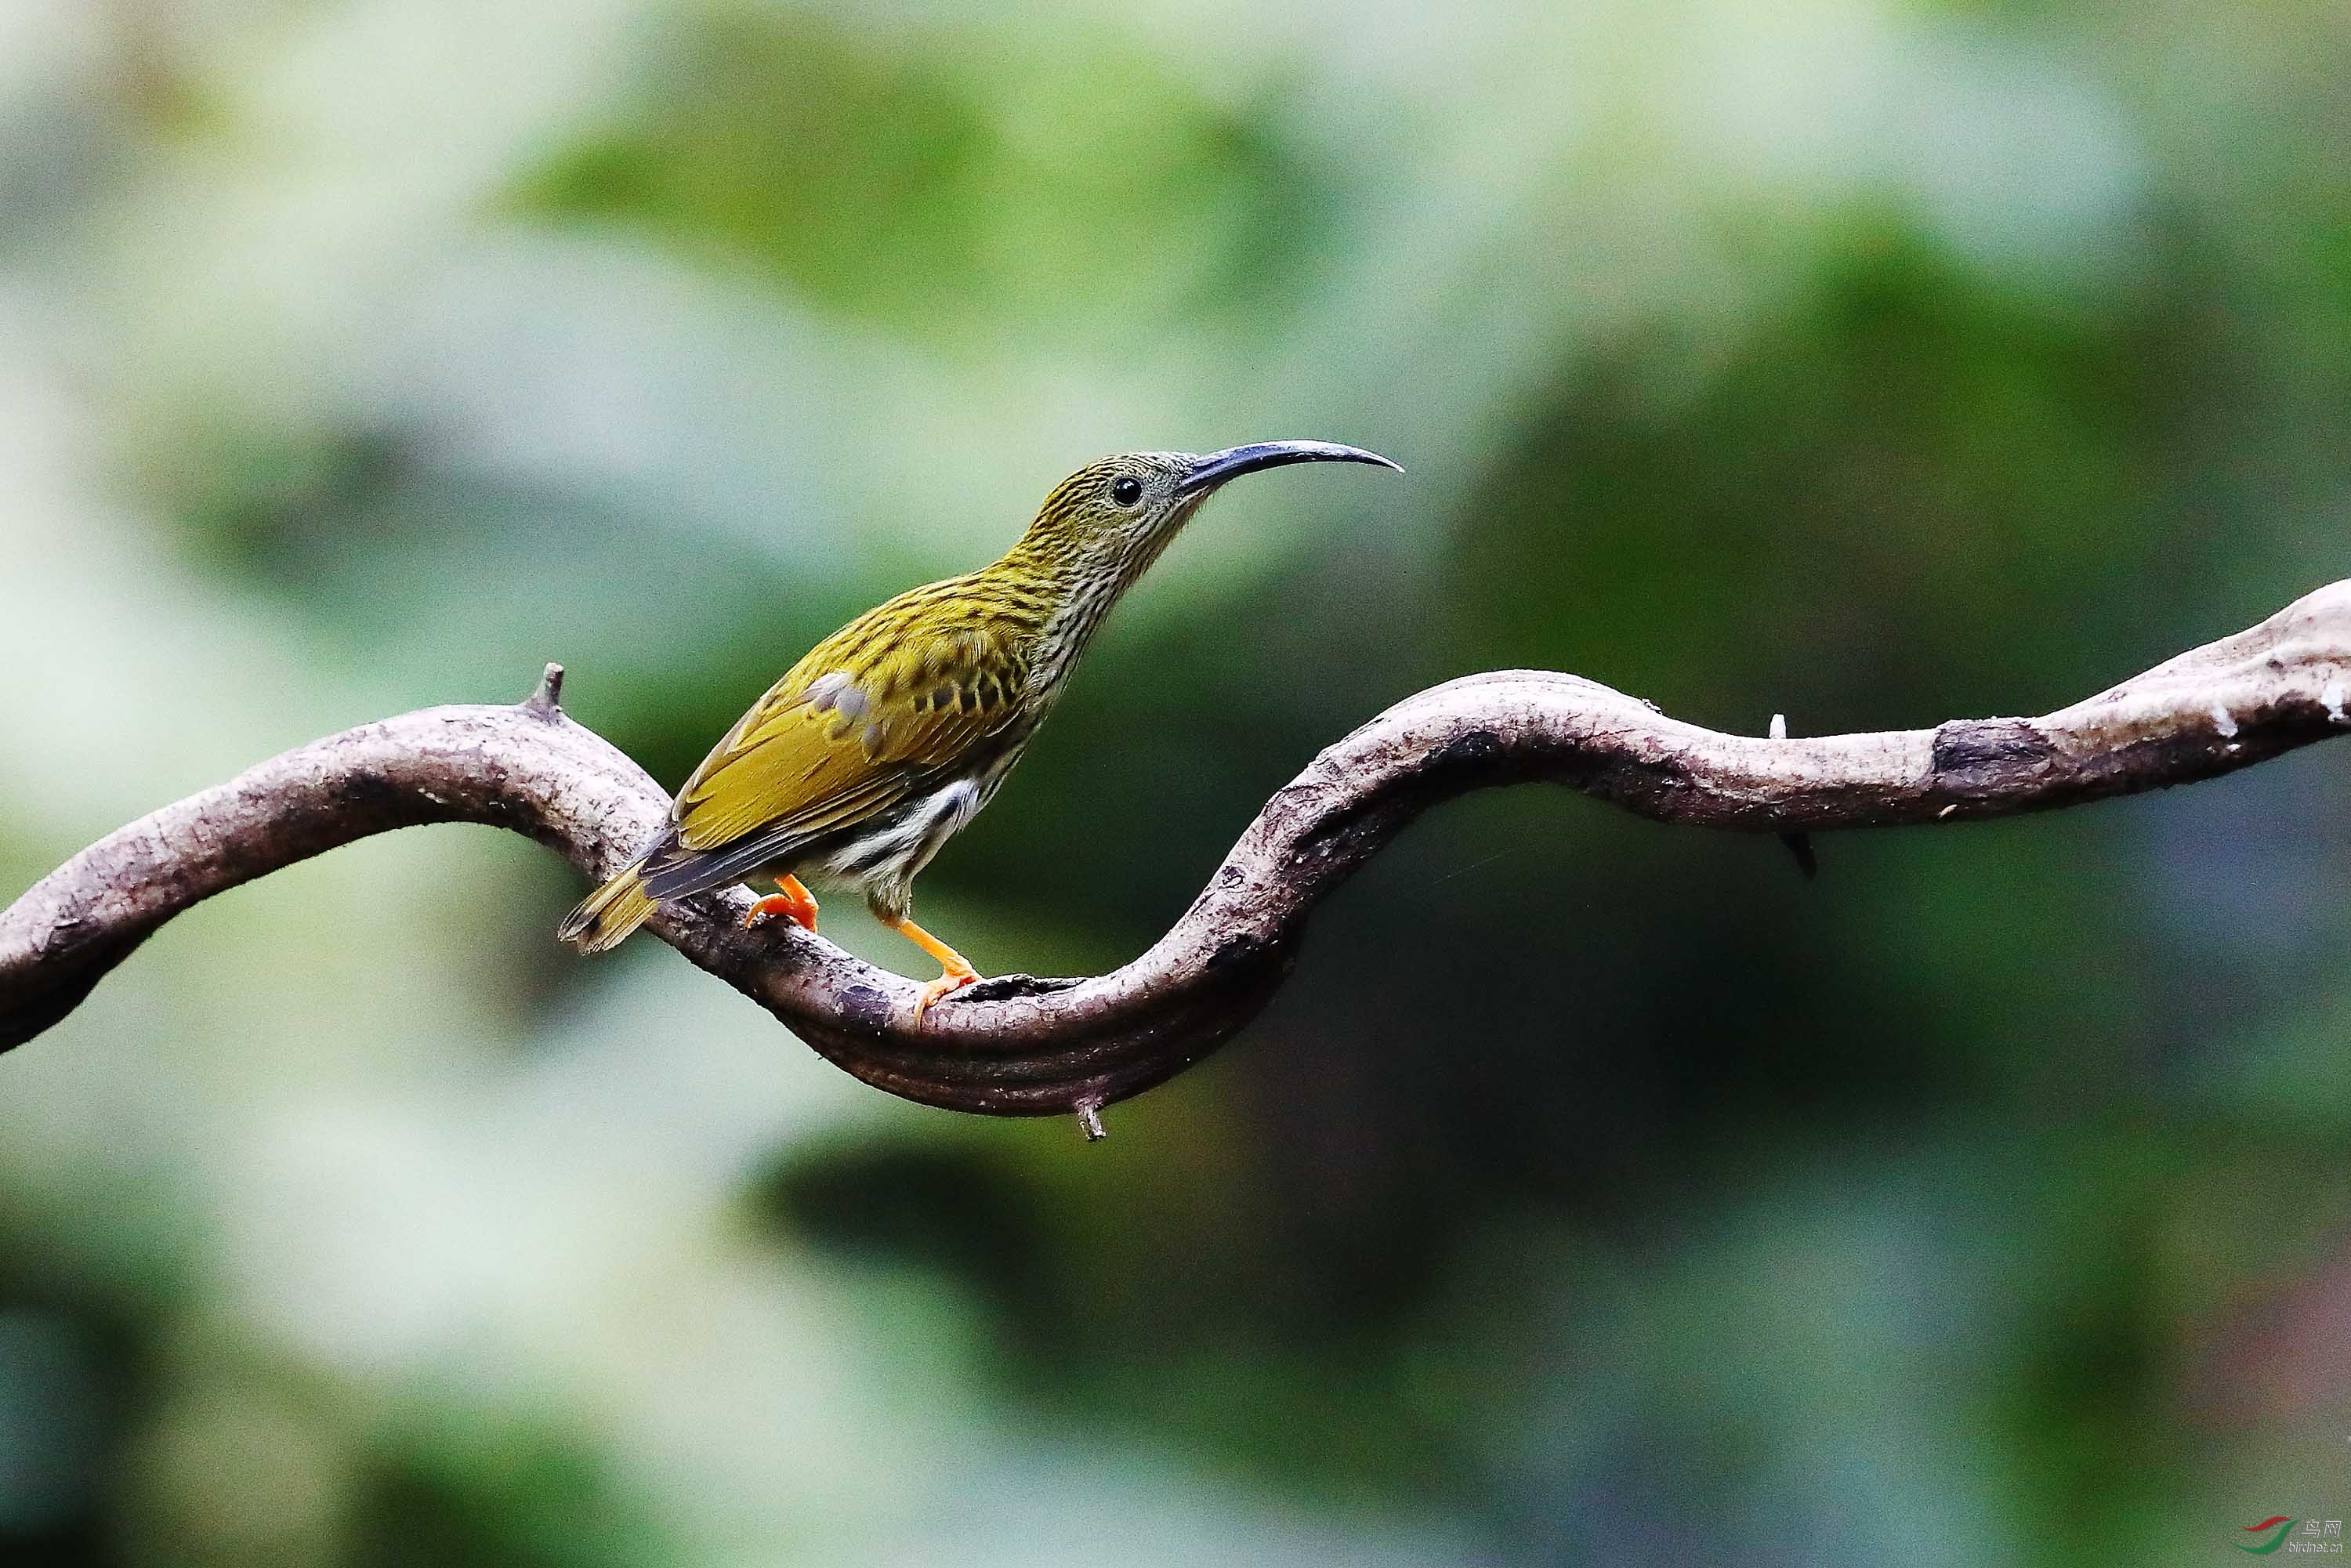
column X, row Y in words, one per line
column 907, row 844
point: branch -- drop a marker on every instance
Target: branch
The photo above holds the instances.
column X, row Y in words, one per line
column 1021, row 1045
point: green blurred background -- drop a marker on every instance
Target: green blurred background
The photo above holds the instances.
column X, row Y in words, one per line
column 1595, row 1191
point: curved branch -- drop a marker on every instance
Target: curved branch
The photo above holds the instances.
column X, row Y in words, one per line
column 1021, row 1045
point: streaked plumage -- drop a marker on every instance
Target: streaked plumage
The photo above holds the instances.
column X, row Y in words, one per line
column 891, row 733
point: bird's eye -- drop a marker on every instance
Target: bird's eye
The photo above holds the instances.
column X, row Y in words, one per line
column 1127, row 492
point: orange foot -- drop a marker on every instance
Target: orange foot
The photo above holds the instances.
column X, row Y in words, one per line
column 953, row 980
column 793, row 900
column 957, row 970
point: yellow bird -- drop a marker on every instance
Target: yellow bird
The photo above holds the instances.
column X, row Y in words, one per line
column 893, row 733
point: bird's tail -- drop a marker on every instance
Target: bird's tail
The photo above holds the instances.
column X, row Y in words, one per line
column 609, row 914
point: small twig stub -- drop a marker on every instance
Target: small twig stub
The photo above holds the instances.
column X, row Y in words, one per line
column 1799, row 844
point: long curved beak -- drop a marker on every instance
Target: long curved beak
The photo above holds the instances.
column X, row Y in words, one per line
column 1207, row 473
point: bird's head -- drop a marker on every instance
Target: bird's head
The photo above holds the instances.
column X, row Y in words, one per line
column 1110, row 519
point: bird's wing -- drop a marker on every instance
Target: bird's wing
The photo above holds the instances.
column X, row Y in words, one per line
column 856, row 726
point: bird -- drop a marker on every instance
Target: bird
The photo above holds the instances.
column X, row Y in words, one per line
column 889, row 736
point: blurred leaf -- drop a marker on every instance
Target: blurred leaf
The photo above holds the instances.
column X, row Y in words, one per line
column 946, row 187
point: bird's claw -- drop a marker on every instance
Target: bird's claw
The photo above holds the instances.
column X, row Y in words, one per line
column 945, row 985
column 800, row 910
